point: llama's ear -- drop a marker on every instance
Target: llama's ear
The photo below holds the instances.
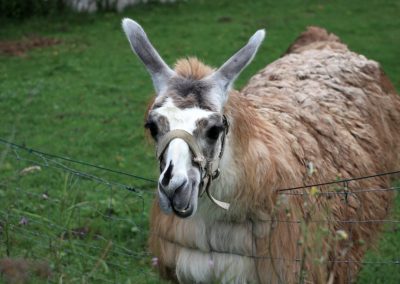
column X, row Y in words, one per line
column 158, row 69
column 230, row 70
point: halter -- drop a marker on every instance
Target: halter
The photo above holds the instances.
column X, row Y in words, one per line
column 209, row 169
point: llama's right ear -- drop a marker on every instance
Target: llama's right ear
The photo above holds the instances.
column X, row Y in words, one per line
column 158, row 69
column 230, row 70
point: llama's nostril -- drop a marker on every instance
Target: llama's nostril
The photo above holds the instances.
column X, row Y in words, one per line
column 172, row 189
column 167, row 175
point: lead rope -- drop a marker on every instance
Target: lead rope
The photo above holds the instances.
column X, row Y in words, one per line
column 223, row 205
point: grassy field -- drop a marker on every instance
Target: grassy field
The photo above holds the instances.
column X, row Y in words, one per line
column 85, row 98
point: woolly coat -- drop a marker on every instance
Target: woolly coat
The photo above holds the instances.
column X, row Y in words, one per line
column 319, row 113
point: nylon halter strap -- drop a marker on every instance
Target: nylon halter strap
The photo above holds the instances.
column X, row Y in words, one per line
column 209, row 169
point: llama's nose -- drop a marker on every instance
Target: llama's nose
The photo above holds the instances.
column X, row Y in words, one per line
column 170, row 183
column 173, row 188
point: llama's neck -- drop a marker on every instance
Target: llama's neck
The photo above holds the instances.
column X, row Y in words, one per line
column 250, row 141
column 229, row 240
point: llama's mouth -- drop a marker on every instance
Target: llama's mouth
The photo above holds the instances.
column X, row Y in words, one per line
column 184, row 200
column 183, row 203
column 183, row 213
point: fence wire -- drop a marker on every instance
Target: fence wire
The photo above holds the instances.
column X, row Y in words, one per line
column 63, row 220
column 76, row 221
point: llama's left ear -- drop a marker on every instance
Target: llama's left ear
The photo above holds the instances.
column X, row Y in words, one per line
column 158, row 69
column 230, row 70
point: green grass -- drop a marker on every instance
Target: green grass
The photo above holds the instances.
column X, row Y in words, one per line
column 86, row 97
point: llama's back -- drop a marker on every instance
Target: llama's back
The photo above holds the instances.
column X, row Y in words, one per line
column 338, row 111
column 337, row 106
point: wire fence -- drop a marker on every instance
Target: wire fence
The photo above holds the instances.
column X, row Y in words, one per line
column 70, row 221
column 63, row 220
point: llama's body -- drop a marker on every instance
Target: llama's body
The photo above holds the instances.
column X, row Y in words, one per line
column 320, row 106
column 326, row 106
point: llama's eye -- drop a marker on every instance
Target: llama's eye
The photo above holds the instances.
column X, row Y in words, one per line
column 213, row 132
column 153, row 128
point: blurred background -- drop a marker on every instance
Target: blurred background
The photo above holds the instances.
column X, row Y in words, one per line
column 71, row 87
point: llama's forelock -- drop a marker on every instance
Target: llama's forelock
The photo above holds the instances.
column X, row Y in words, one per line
column 191, row 87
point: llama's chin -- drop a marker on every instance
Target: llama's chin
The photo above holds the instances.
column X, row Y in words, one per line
column 187, row 212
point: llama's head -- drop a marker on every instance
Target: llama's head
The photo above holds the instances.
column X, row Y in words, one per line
column 186, row 119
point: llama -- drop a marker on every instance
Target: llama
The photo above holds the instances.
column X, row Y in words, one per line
column 318, row 113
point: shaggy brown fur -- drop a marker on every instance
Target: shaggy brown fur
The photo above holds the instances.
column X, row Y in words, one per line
column 192, row 68
column 317, row 37
column 320, row 103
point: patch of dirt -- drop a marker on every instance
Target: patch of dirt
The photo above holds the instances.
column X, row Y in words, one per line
column 21, row 47
column 79, row 233
column 224, row 19
column 22, row 271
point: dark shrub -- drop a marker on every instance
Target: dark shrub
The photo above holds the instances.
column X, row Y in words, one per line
column 20, row 9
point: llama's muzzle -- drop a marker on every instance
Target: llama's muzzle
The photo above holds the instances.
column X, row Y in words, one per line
column 208, row 168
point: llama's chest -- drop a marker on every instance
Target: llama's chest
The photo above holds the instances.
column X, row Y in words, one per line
column 204, row 252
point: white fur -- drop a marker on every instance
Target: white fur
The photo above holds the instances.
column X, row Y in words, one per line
column 216, row 252
column 178, row 151
column 194, row 266
column 182, row 118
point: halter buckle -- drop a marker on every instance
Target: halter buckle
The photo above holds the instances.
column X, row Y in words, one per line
column 216, row 174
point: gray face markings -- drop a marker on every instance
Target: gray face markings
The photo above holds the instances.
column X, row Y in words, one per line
column 189, row 93
column 157, row 124
column 207, row 132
